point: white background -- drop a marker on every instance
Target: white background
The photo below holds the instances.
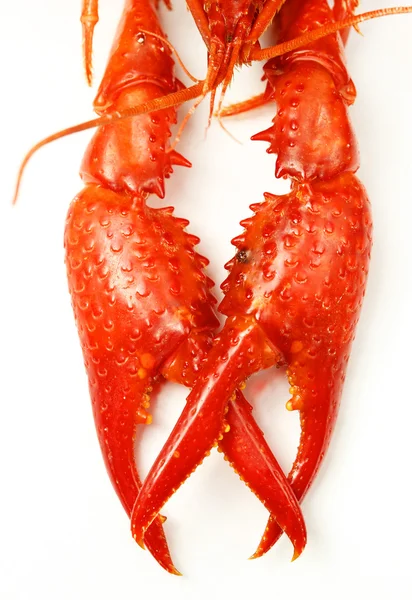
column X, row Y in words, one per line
column 63, row 533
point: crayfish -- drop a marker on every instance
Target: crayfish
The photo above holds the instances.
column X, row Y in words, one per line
column 141, row 295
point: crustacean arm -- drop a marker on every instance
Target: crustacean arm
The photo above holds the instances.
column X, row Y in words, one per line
column 297, row 281
column 141, row 300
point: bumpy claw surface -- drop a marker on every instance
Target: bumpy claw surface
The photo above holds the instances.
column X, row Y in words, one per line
column 293, row 294
column 137, row 288
column 314, row 140
column 128, row 264
column 141, row 299
column 308, row 258
column 311, row 133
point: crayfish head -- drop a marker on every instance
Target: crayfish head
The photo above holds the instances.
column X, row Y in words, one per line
column 229, row 26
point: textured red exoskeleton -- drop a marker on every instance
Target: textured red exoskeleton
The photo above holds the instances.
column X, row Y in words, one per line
column 141, row 297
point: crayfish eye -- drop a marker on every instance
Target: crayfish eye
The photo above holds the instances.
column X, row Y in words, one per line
column 229, row 38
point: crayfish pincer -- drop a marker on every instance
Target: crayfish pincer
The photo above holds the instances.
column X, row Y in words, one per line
column 297, row 281
column 295, row 302
column 140, row 294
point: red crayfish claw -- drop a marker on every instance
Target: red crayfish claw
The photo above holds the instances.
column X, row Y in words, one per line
column 141, row 299
column 133, row 264
column 293, row 296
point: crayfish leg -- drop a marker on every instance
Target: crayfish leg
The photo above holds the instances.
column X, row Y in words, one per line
column 137, row 289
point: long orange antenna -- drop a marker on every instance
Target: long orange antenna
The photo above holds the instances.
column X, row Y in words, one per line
column 88, row 19
column 196, row 90
column 229, row 75
column 151, row 106
column 243, row 106
column 324, row 31
column 185, row 121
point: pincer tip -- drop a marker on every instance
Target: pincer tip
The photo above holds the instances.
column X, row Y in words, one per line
column 255, row 555
column 296, row 554
column 139, row 541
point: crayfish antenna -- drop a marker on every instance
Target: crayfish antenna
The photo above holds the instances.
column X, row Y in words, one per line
column 185, row 121
column 226, row 130
column 52, row 138
column 244, row 106
column 172, row 99
column 88, row 19
column 321, row 32
column 198, row 89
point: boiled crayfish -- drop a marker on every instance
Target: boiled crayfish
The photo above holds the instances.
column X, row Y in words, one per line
column 140, row 293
